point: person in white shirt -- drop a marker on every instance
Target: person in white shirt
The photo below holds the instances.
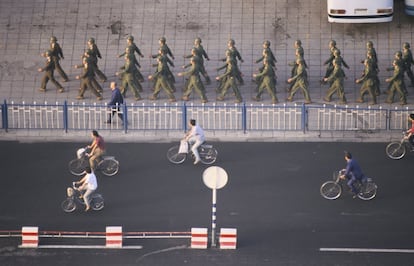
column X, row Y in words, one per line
column 195, row 136
column 88, row 184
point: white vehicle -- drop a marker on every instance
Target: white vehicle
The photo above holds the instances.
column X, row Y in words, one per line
column 360, row 11
column 409, row 7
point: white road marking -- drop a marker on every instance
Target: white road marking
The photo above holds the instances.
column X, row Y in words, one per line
column 368, row 250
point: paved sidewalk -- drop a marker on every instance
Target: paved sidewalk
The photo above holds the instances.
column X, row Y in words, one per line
column 26, row 26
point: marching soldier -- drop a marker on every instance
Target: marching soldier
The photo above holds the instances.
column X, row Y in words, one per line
column 396, row 84
column 300, row 81
column 95, row 54
column 200, row 53
column 336, row 79
column 49, row 68
column 407, row 58
column 56, row 55
column 228, row 80
column 87, row 80
column 368, row 82
column 129, row 78
column 161, row 81
column 267, row 77
column 194, row 82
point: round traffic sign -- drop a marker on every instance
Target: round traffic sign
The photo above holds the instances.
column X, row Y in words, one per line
column 215, row 177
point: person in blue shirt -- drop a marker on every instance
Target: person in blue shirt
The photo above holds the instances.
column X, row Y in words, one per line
column 116, row 101
column 353, row 172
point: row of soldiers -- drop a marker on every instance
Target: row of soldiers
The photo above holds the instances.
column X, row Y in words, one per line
column 163, row 78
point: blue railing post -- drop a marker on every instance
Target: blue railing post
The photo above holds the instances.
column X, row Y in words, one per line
column 304, row 117
column 244, row 118
column 5, row 116
column 185, row 124
column 65, row 116
column 125, row 111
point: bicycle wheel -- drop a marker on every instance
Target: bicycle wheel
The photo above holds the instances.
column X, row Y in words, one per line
column 109, row 166
column 68, row 205
column 78, row 166
column 175, row 157
column 395, row 150
column 208, row 155
column 368, row 192
column 97, row 202
column 331, row 190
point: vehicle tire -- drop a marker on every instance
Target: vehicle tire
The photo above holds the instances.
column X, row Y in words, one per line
column 331, row 190
column 109, row 166
column 395, row 150
column 97, row 202
column 77, row 166
column 68, row 205
column 208, row 155
column 175, row 157
column 369, row 191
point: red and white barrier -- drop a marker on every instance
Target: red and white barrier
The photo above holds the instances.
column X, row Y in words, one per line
column 30, row 237
column 199, row 238
column 228, row 238
column 114, row 236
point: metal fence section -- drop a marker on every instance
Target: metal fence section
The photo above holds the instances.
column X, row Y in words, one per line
column 34, row 116
column 155, row 117
column 213, row 117
column 345, row 118
column 274, row 118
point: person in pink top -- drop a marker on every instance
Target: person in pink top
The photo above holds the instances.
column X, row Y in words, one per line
column 410, row 132
column 97, row 148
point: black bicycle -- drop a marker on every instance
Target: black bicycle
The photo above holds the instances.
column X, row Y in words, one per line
column 367, row 189
column 75, row 199
column 108, row 165
column 398, row 149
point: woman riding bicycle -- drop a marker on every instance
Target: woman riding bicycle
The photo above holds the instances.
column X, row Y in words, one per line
column 88, row 184
column 97, row 148
column 410, row 132
column 353, row 172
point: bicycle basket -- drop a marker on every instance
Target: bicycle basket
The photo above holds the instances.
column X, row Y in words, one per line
column 70, row 192
column 80, row 152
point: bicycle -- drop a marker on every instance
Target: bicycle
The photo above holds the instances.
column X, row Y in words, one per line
column 108, row 165
column 74, row 199
column 398, row 149
column 367, row 189
column 208, row 154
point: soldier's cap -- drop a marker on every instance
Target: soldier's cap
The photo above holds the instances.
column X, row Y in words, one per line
column 412, row 116
column 406, row 45
column 163, row 39
column 130, row 37
column 48, row 53
column 53, row 39
column 267, row 43
column 198, row 39
column 91, row 40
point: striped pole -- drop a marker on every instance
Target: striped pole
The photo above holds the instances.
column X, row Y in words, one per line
column 30, row 237
column 214, row 218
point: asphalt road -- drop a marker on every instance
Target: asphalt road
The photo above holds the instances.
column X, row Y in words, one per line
column 272, row 198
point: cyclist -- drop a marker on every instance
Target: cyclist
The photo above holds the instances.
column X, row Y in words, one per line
column 88, row 184
column 195, row 136
column 97, row 148
column 410, row 132
column 353, row 172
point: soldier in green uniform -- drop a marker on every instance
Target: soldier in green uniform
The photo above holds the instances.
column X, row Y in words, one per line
column 86, row 80
column 329, row 62
column 57, row 54
column 131, row 49
column 400, row 63
column 164, row 48
column 268, row 51
column 396, row 84
column 194, row 82
column 300, row 81
column 336, row 79
column 128, row 77
column 49, row 68
column 407, row 58
column 267, row 77
column 161, row 81
column 87, row 58
column 199, row 52
column 373, row 61
column 228, row 79
column 299, row 54
column 235, row 55
column 368, row 86
column 95, row 54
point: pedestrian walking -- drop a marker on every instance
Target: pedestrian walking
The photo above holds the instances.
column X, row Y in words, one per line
column 115, row 104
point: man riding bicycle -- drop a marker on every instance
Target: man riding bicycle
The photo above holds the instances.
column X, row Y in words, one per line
column 195, row 136
column 353, row 173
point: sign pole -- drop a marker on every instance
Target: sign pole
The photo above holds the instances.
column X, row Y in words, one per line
column 214, row 178
column 214, row 218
